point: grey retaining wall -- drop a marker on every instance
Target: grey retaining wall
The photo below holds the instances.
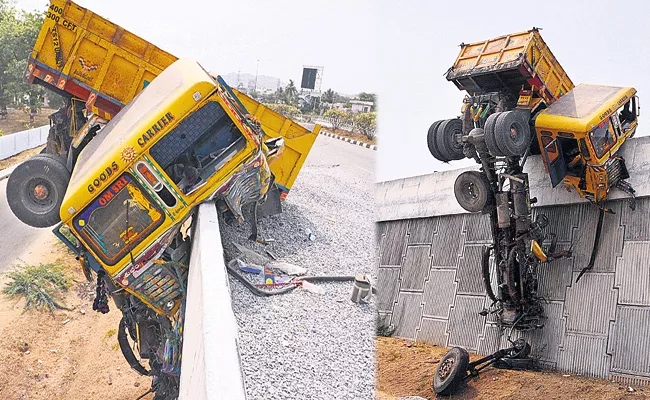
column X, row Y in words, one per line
column 431, row 289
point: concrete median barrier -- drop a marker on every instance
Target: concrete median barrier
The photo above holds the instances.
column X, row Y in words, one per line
column 211, row 366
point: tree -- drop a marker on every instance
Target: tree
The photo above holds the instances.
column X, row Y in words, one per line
column 366, row 123
column 337, row 117
column 18, row 32
column 363, row 96
column 290, row 93
column 284, row 109
column 328, row 96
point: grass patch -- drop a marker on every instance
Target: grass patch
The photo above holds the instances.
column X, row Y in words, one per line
column 42, row 286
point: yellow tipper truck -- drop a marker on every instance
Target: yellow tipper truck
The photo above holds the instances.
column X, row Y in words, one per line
column 101, row 67
column 143, row 139
column 520, row 101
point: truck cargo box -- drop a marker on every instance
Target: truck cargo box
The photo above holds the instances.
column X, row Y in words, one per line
column 505, row 63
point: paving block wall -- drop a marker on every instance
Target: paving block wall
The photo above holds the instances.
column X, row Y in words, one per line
column 431, row 288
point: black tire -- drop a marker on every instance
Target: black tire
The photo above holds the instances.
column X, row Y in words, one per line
column 490, row 140
column 48, row 174
column 472, row 191
column 447, row 135
column 431, row 142
column 451, row 371
column 512, row 133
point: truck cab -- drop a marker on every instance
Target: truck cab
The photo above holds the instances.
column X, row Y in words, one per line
column 580, row 134
column 181, row 141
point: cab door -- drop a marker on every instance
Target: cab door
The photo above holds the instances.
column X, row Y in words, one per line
column 554, row 160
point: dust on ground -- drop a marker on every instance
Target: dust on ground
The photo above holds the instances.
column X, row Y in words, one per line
column 406, row 368
column 20, row 157
column 352, row 135
column 70, row 355
column 18, row 120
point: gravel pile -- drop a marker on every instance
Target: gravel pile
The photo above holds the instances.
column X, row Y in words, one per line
column 303, row 345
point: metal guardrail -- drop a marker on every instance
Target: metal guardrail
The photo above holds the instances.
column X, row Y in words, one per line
column 211, row 367
column 15, row 143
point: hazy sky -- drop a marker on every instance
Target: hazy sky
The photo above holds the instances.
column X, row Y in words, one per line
column 595, row 41
column 228, row 36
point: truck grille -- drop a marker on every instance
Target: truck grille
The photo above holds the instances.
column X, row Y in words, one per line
column 158, row 285
column 615, row 171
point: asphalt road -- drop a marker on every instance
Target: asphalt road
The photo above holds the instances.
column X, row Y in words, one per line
column 354, row 158
column 15, row 237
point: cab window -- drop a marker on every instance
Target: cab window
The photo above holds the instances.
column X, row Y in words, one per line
column 627, row 114
column 121, row 217
column 603, row 137
column 196, row 148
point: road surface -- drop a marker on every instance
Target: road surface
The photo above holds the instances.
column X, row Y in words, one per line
column 15, row 237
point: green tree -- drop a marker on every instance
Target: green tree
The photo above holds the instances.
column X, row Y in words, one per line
column 366, row 124
column 290, row 93
column 285, row 109
column 328, row 96
column 18, row 31
column 363, row 96
column 337, row 117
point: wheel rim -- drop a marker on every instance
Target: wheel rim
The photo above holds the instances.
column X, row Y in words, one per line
column 40, row 195
column 472, row 192
column 515, row 131
column 457, row 139
column 445, row 368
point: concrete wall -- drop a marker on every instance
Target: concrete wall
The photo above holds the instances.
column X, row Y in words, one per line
column 15, row 143
column 211, row 367
column 431, row 289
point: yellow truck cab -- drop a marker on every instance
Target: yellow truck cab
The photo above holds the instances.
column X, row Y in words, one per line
column 181, row 141
column 580, row 134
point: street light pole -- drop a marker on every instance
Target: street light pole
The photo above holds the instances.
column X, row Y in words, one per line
column 257, row 68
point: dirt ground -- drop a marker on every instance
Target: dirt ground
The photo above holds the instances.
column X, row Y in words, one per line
column 18, row 121
column 351, row 135
column 406, row 369
column 70, row 355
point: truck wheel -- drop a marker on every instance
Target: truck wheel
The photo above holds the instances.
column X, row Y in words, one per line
column 36, row 188
column 490, row 140
column 451, row 371
column 472, row 191
column 431, row 142
column 448, row 139
column 512, row 133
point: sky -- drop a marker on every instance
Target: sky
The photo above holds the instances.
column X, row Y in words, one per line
column 231, row 36
column 595, row 41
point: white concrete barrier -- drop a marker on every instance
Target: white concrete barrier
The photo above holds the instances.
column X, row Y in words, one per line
column 211, row 367
column 432, row 195
column 15, row 143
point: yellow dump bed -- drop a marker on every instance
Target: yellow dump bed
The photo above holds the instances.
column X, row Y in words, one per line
column 85, row 55
column 506, row 63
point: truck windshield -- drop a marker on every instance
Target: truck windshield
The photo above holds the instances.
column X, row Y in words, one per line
column 196, row 148
column 118, row 219
column 602, row 138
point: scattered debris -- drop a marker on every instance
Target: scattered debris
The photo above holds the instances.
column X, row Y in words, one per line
column 310, row 287
column 66, row 321
column 630, row 389
column 251, row 255
column 310, row 234
column 361, row 289
column 287, row 268
column 252, row 268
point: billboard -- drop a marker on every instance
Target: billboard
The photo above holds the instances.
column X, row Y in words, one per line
column 309, row 78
